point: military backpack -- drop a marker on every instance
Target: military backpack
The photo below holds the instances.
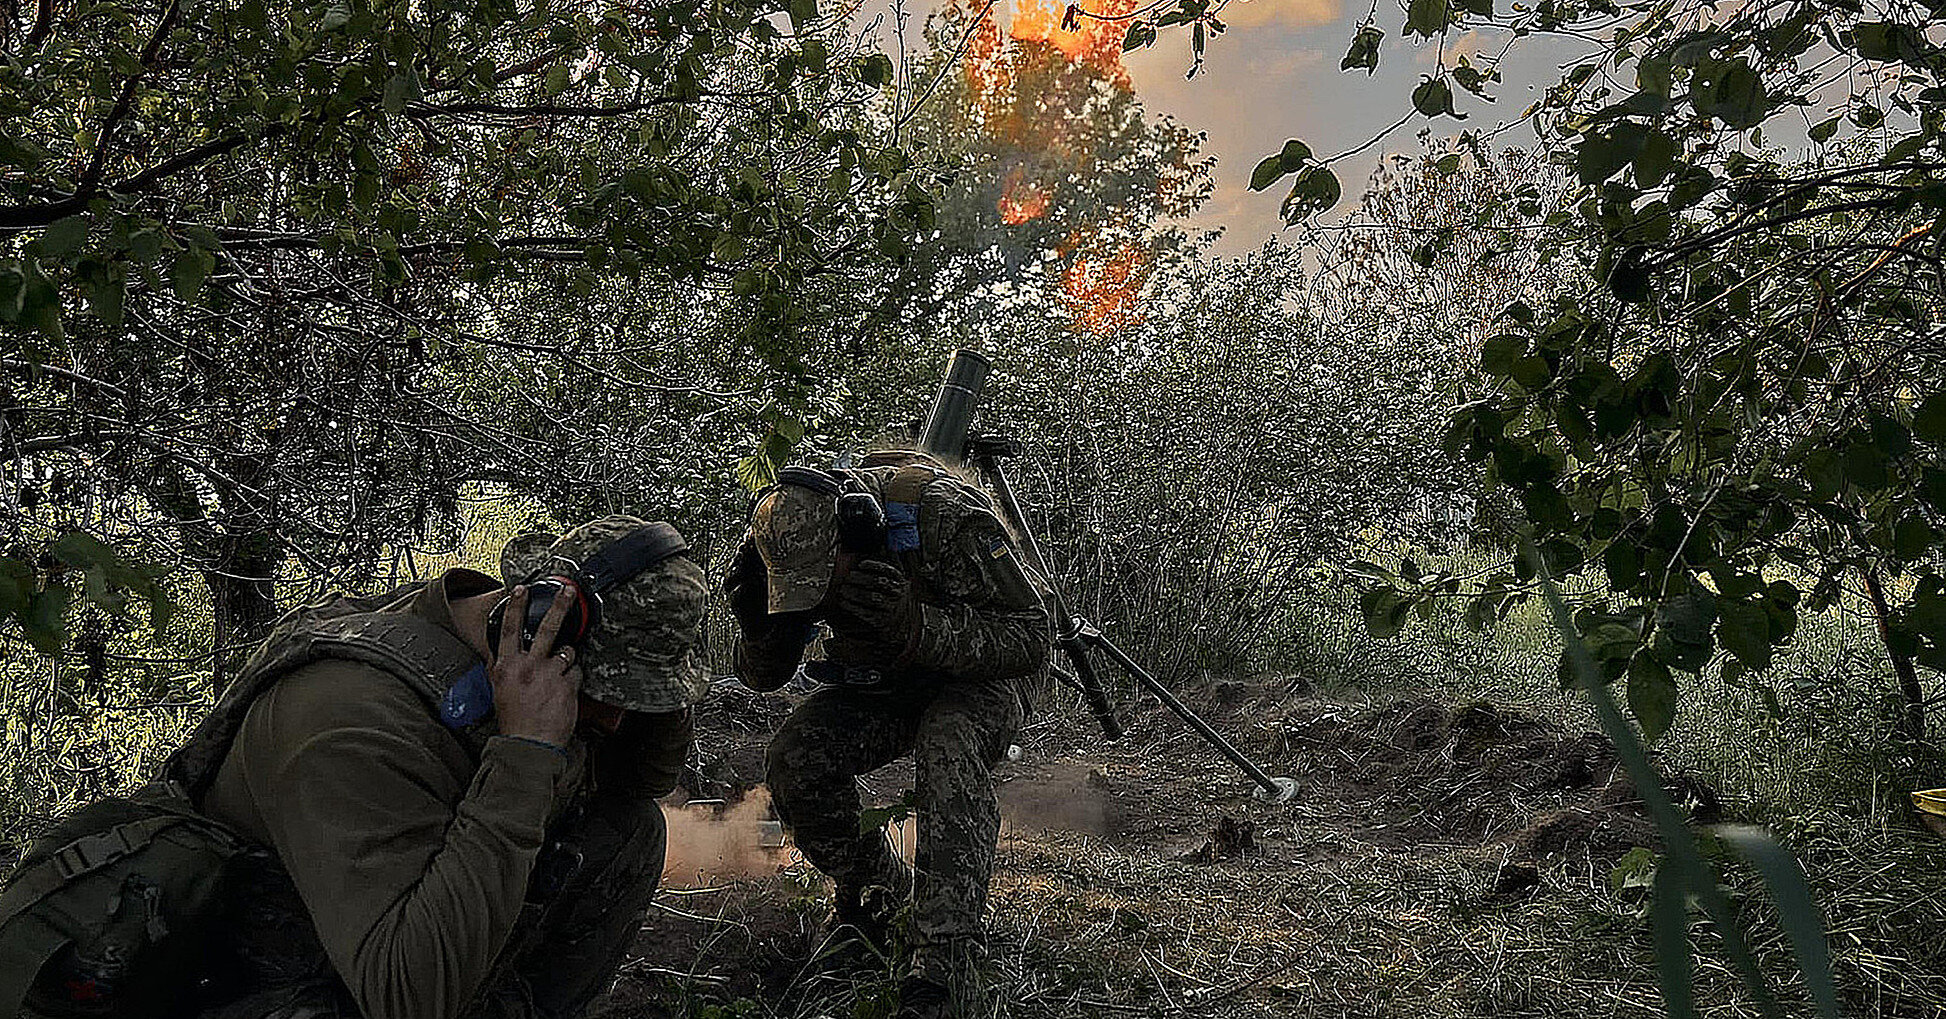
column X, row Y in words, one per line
column 112, row 912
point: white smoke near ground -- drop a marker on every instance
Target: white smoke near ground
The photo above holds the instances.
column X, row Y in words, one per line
column 710, row 842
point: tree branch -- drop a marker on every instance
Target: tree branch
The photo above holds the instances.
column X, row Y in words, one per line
column 27, row 217
column 92, row 175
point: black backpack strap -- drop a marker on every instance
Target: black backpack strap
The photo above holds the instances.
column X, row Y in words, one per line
column 84, row 855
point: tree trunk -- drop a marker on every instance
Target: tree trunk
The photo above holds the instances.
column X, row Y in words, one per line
column 243, row 599
column 238, row 559
column 1915, row 698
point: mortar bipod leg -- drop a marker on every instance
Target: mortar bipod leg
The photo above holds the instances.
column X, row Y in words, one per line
column 1272, row 789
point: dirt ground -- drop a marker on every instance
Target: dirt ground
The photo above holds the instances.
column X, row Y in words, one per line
column 1438, row 860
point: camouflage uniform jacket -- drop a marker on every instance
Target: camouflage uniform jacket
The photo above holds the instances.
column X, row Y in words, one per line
column 986, row 615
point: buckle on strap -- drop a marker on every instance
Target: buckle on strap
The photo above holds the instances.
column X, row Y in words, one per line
column 93, row 852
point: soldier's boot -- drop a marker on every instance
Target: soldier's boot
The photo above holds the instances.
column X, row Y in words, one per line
column 870, row 914
column 864, row 927
column 923, row 998
column 946, row 981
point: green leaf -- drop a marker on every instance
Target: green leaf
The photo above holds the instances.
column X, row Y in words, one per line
column 64, row 237
column 16, row 587
column 1498, row 354
column 1140, row 34
column 557, row 80
column 1427, row 17
column 193, row 266
column 1929, row 420
column 107, row 298
column 45, row 620
column 1889, row 40
column 1294, row 155
column 397, row 86
column 1797, row 908
column 82, row 550
column 1629, row 278
column 1316, row 190
column 1655, row 159
column 1268, row 172
column 1385, row 612
column 1434, row 98
column 1866, row 467
column 728, row 248
column 1913, row 537
column 1603, row 154
column 1731, row 91
column 1744, row 628
column 1651, row 694
column 1822, row 132
column 1364, row 49
column 875, row 71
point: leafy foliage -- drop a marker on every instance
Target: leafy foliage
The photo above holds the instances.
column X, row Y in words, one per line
column 251, row 255
column 1737, row 416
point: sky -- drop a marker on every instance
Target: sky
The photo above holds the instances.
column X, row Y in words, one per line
column 1274, row 75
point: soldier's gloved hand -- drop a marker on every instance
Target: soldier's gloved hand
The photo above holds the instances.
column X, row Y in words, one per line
column 747, row 586
column 876, row 603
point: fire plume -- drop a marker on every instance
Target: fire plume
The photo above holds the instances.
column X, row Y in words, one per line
column 1007, row 72
column 1103, row 290
column 1094, row 42
column 1020, row 200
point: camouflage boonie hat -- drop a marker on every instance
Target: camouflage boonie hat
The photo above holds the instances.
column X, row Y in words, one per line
column 796, row 531
column 648, row 653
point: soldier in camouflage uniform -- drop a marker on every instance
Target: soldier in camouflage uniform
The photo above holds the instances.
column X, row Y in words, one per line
column 415, row 867
column 928, row 640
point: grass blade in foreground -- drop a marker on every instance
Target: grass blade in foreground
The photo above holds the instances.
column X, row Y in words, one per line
column 1792, row 894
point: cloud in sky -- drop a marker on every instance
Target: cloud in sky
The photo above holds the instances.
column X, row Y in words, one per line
column 1287, row 13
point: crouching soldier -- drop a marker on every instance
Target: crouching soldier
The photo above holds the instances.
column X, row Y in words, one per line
column 442, row 802
column 931, row 626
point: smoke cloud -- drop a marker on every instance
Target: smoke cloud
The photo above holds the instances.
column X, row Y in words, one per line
column 707, row 844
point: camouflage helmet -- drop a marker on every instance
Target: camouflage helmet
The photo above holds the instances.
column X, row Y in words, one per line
column 795, row 529
column 648, row 653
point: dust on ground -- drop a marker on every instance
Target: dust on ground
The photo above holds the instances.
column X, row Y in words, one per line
column 1438, row 860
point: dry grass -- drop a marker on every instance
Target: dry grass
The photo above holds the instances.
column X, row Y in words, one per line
column 1352, row 904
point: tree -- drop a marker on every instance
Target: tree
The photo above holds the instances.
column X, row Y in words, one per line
column 1745, row 415
column 232, row 294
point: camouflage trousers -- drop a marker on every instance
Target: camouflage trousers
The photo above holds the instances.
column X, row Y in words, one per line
column 590, row 890
column 956, row 732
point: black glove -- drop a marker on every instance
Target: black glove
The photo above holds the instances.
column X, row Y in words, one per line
column 747, row 586
column 875, row 604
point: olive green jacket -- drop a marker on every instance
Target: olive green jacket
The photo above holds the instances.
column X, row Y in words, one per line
column 410, row 846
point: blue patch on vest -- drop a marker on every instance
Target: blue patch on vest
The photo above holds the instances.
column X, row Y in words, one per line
column 902, row 526
column 468, row 700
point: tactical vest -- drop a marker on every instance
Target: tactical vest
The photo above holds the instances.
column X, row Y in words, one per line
column 112, row 912
column 922, row 497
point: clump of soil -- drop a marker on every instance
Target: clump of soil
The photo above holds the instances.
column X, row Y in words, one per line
column 1232, row 837
column 1481, row 773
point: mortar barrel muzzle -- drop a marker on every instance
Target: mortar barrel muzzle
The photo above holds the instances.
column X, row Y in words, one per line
column 952, row 410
